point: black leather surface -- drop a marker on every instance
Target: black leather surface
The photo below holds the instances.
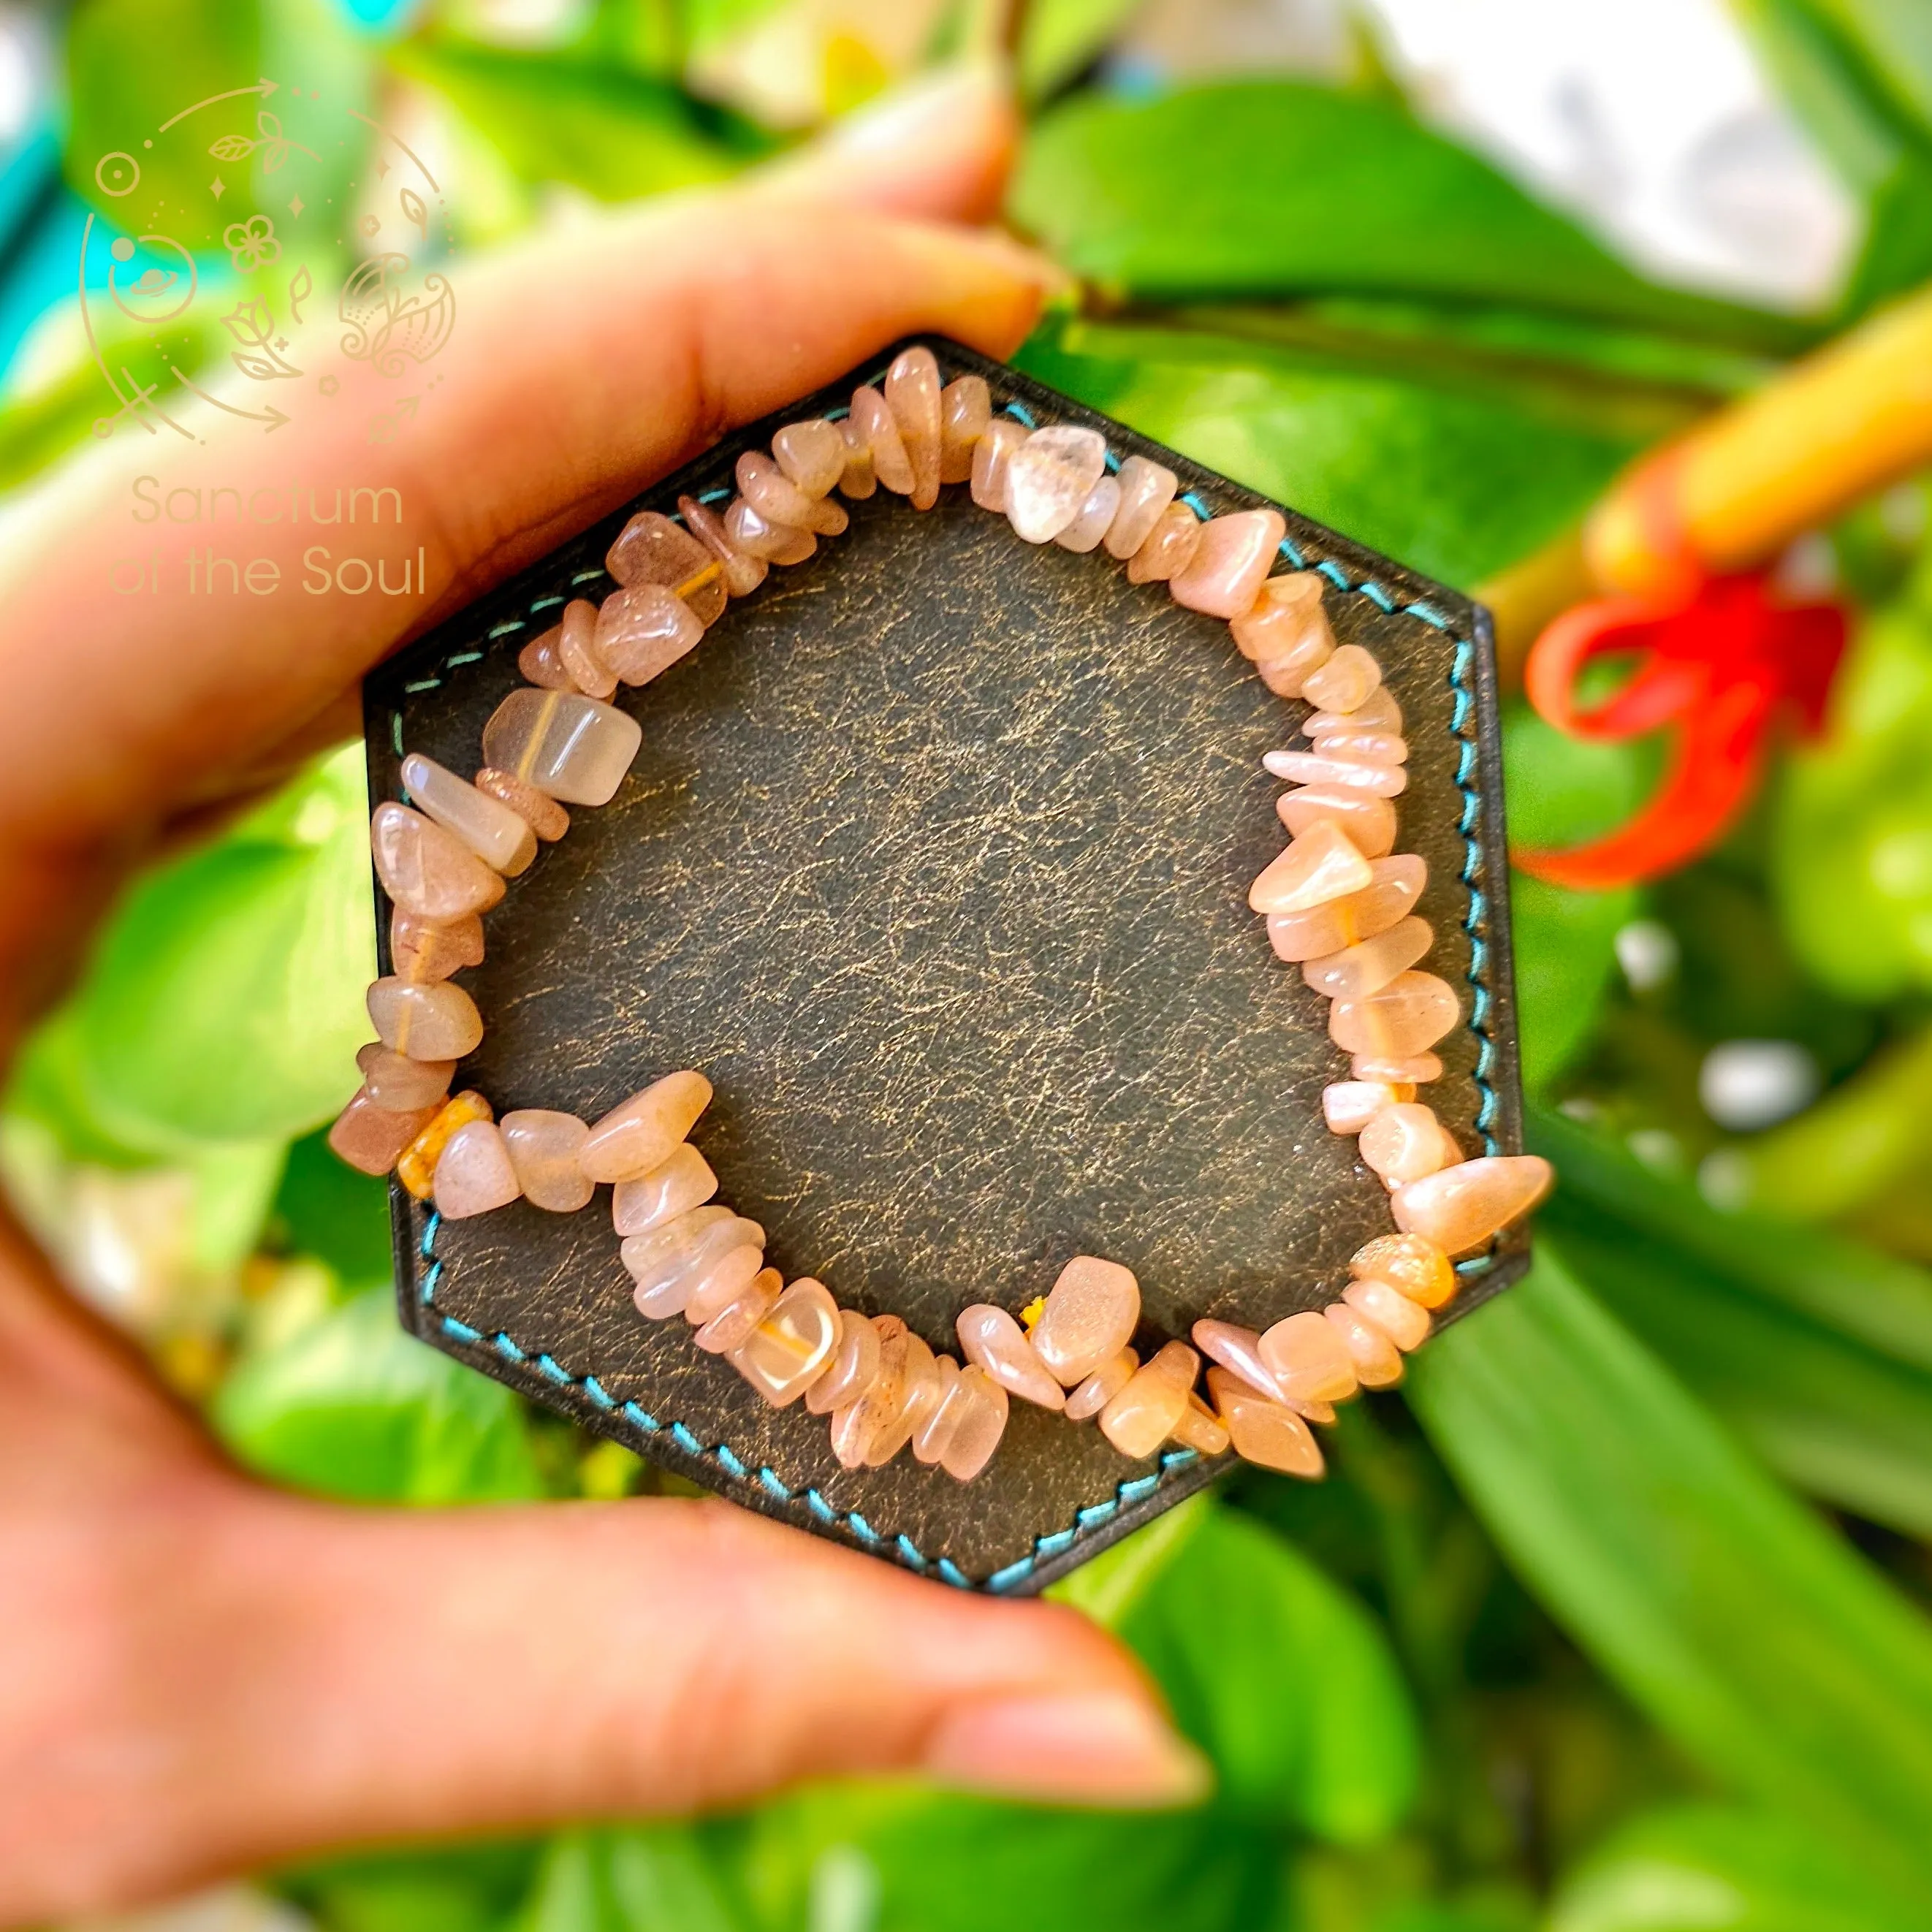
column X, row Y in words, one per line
column 935, row 860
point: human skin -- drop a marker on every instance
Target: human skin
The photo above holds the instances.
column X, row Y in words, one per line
column 199, row 1676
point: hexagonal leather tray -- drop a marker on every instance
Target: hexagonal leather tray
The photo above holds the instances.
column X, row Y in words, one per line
column 935, row 860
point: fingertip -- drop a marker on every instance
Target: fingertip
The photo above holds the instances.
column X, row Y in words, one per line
column 1110, row 1747
column 940, row 146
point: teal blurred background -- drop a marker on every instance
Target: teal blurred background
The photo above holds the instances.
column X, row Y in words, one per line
column 1616, row 1619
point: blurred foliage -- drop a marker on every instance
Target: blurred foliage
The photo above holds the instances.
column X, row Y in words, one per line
column 1574, row 1639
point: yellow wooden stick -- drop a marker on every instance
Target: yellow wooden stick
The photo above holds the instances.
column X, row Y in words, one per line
column 1848, row 420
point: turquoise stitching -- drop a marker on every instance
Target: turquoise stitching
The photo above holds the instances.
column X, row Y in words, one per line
column 1094, row 1516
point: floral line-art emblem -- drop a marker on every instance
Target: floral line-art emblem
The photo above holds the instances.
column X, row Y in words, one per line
column 274, row 144
column 253, row 326
column 387, row 329
column 251, row 244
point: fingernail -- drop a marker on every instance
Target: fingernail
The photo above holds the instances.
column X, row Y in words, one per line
column 909, row 113
column 1100, row 1748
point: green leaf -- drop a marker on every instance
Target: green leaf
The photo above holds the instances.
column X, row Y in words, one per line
column 948, row 1862
column 1876, row 1299
column 1697, row 1867
column 1278, row 188
column 470, row 1888
column 1283, row 1679
column 349, row 1405
column 614, row 134
column 1757, row 1640
column 1060, row 38
column 659, row 1879
column 225, row 1001
column 1109, row 1587
column 1456, row 482
column 325, row 1208
column 1852, row 827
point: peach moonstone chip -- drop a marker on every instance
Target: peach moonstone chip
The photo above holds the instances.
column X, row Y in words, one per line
column 1224, row 575
column 793, row 1345
column 436, row 1021
column 427, row 871
column 475, row 1173
column 965, row 409
column 1465, row 1206
column 1418, row 1267
column 543, row 1146
column 681, row 1182
column 992, row 1340
column 1146, row 489
column 652, row 549
column 1102, row 1386
column 1408, row 1016
column 1048, row 477
column 643, row 1131
column 502, row 838
column 1262, row 1431
column 1091, row 1313
column 1318, row 868
column 1369, row 821
column 1143, row 1415
column 371, row 1137
column 563, row 743
column 855, row 1362
column 1308, row 1359
column 1394, row 886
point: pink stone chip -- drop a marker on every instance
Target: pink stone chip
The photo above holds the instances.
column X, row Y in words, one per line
column 652, row 549
column 427, row 870
column 730, row 1328
column 1348, row 1106
column 437, row 1021
column 398, row 1085
column 1234, row 553
column 1405, row 1322
column 855, row 1362
column 1102, row 1386
column 569, row 746
column 1312, row 768
column 860, row 478
column 432, row 949
column 1168, row 546
column 1362, row 748
column 1143, row 1415
column 1369, row 821
column 1308, row 1359
column 750, row 530
column 1321, row 866
column 1376, row 1360
column 1200, row 1429
column 1394, row 886
column 1345, row 682
column 680, row 1182
column 1287, row 624
column 474, row 1172
column 576, row 646
column 975, row 1434
column 1465, row 1207
column 1408, row 1016
column 499, row 837
column 742, row 572
column 793, row 1346
column 1090, row 524
column 1378, row 712
column 1266, row 1433
column 965, row 409
column 811, row 454
column 1237, row 1352
column 1146, row 489
column 643, row 631
column 544, row 816
column 1415, row 1070
column 991, row 456
column 1049, row 476
column 991, row 1340
column 724, row 1282
column 1370, row 965
column 930, row 1438
column 671, row 1261
column 543, row 1146
column 1091, row 1313
column 1405, row 1142
column 540, row 661
column 913, row 395
column 779, row 499
column 371, row 1137
column 643, row 1132
column 875, row 425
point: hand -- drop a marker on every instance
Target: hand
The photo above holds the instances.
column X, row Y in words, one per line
column 198, row 1676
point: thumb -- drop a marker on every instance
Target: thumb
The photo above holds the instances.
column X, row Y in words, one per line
column 382, row 1675
column 938, row 147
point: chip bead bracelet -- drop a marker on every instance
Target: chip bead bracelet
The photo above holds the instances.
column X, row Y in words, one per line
column 1338, row 902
